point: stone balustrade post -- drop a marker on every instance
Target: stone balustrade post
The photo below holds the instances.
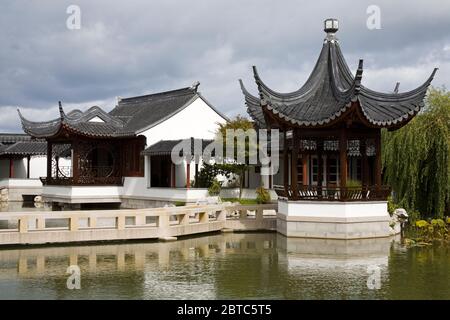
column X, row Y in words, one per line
column 259, row 214
column 40, row 223
column 23, row 225
column 140, row 220
column 183, row 218
column 222, row 216
column 120, row 222
column 92, row 222
column 73, row 223
column 203, row 217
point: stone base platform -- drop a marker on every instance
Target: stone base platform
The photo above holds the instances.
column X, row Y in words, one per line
column 333, row 220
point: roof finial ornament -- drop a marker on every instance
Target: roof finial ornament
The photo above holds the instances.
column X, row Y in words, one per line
column 195, row 85
column 397, row 85
column 61, row 112
column 331, row 26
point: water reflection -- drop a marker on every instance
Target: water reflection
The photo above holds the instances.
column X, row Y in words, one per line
column 259, row 265
column 21, row 206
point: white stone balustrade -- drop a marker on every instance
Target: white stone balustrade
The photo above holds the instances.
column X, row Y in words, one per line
column 84, row 226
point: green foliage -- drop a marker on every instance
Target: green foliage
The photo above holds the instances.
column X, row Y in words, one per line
column 241, row 201
column 421, row 224
column 206, row 175
column 238, row 123
column 214, row 189
column 391, row 205
column 429, row 231
column 180, row 203
column 416, row 158
column 262, row 195
column 414, row 216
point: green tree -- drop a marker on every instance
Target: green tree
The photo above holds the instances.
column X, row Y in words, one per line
column 249, row 147
column 416, row 158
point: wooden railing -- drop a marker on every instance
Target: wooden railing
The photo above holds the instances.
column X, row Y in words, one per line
column 332, row 193
column 95, row 175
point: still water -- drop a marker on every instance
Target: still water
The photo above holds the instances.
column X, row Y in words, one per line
column 230, row 266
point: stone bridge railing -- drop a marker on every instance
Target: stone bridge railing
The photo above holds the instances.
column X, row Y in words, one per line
column 133, row 224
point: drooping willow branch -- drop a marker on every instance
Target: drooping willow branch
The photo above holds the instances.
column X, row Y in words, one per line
column 416, row 160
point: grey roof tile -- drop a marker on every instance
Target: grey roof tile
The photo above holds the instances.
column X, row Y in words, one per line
column 130, row 117
column 329, row 91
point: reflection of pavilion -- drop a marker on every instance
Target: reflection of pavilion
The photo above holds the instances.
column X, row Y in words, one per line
column 334, row 269
column 329, row 253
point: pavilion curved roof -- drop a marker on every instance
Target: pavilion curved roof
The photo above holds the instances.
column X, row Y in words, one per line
column 77, row 122
column 130, row 117
column 330, row 91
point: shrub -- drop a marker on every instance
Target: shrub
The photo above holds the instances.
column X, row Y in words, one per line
column 214, row 189
column 391, row 205
column 262, row 195
column 436, row 229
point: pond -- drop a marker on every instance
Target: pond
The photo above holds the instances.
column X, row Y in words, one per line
column 24, row 206
column 230, row 266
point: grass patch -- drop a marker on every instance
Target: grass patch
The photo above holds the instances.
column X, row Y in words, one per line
column 241, row 201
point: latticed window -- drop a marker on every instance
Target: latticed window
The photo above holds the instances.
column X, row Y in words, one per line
column 331, row 145
column 308, row 145
column 353, row 148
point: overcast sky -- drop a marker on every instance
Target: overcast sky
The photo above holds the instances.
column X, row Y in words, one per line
column 131, row 48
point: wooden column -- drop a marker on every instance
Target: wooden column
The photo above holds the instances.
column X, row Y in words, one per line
column 57, row 166
column 343, row 158
column 294, row 159
column 49, row 160
column 11, row 168
column 196, row 173
column 305, row 169
column 28, row 167
column 172, row 176
column 270, row 181
column 188, row 175
column 319, row 144
column 285, row 163
column 75, row 161
column 378, row 160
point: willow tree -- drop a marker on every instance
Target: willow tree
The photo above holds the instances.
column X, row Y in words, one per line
column 416, row 158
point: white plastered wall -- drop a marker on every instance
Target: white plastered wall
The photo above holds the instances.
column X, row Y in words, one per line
column 198, row 120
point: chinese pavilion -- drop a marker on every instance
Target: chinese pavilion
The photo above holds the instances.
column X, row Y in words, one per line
column 332, row 145
column 104, row 147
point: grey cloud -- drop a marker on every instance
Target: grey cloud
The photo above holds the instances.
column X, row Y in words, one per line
column 135, row 47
